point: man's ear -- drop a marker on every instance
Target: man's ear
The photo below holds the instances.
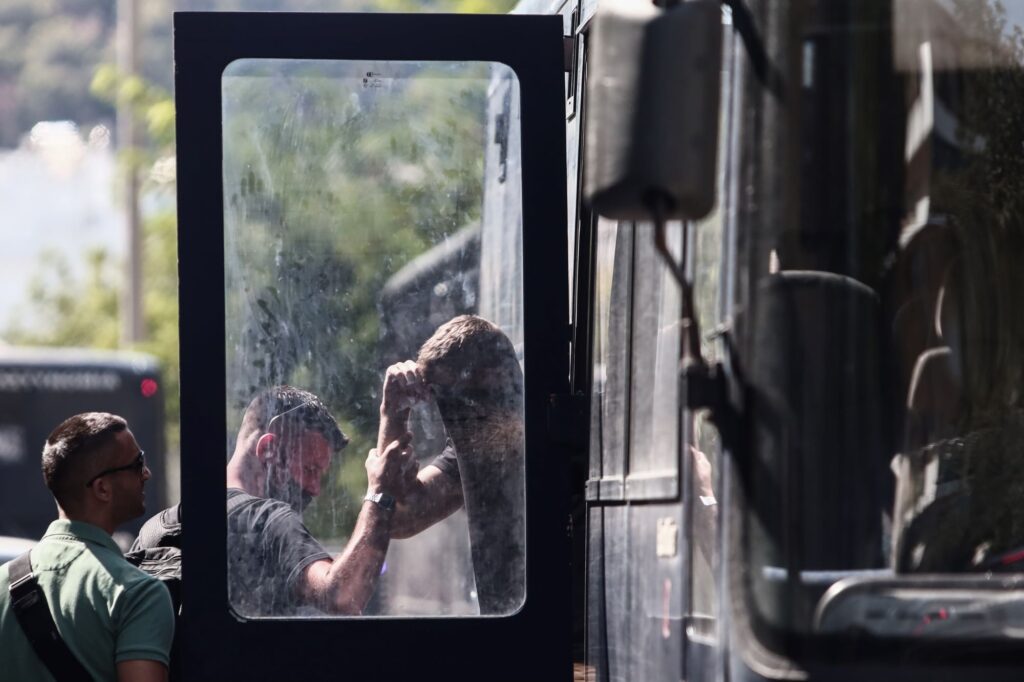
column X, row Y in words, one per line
column 265, row 446
column 101, row 489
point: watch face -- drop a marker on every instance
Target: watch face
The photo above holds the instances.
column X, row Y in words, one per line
column 383, row 500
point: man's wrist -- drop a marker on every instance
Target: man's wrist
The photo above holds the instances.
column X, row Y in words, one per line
column 384, row 500
column 389, row 412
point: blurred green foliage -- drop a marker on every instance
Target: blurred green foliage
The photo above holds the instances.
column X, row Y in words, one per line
column 397, row 183
column 332, row 183
column 86, row 307
column 49, row 50
column 67, row 310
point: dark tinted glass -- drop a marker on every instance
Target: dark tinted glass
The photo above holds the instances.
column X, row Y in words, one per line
column 879, row 321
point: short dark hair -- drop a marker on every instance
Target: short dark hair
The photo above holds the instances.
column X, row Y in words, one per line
column 469, row 343
column 294, row 406
column 72, row 446
column 466, row 340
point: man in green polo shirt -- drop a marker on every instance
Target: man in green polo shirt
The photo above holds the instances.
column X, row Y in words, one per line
column 116, row 620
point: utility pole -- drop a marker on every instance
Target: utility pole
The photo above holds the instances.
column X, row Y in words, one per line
column 132, row 327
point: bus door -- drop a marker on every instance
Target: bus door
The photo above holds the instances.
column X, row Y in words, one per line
column 332, row 174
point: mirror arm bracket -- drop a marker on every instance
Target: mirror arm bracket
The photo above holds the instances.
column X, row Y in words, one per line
column 705, row 384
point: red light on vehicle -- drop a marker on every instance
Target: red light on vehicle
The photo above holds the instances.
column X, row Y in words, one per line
column 148, row 388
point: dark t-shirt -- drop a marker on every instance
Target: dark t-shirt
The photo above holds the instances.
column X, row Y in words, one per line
column 447, row 461
column 268, row 549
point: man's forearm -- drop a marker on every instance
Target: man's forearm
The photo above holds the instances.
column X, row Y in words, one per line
column 411, row 513
column 393, row 425
column 353, row 574
column 434, row 496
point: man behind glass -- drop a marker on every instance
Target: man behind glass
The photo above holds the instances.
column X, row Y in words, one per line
column 470, row 369
column 275, row 566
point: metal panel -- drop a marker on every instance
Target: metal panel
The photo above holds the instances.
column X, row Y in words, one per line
column 636, row 592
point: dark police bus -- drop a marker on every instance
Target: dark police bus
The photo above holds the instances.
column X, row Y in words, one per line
column 39, row 388
column 760, row 261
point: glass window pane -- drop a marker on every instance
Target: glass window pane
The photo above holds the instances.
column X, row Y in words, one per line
column 882, row 330
column 358, row 239
column 705, row 450
column 707, row 260
column 612, row 278
column 654, row 384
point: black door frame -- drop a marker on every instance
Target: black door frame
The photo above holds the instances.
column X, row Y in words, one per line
column 533, row 643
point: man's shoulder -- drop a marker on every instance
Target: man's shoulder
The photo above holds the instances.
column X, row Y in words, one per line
column 123, row 573
column 261, row 512
column 4, row 579
column 80, row 559
column 163, row 529
column 101, row 572
column 239, row 500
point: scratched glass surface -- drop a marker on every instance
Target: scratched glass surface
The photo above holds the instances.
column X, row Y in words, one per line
column 358, row 220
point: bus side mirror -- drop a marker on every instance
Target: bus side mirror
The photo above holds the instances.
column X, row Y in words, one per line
column 652, row 110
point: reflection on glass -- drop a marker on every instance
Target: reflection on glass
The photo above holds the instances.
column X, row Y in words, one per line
column 883, row 331
column 654, row 383
column 706, row 254
column 377, row 466
column 613, row 278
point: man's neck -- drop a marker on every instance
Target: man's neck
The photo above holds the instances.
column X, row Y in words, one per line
column 245, row 473
column 97, row 519
column 244, row 469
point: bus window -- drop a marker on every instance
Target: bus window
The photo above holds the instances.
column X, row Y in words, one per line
column 879, row 284
column 635, row 404
column 353, row 198
column 654, row 384
column 612, row 309
column 704, row 451
column 707, row 264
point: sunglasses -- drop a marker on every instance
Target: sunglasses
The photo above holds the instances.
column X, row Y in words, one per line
column 137, row 464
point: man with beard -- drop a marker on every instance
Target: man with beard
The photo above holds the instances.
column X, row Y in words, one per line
column 275, row 566
column 469, row 366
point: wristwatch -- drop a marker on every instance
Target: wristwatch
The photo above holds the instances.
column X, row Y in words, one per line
column 382, row 500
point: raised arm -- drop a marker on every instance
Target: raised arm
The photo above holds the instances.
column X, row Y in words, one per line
column 427, row 496
column 344, row 584
column 432, row 497
column 403, row 388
